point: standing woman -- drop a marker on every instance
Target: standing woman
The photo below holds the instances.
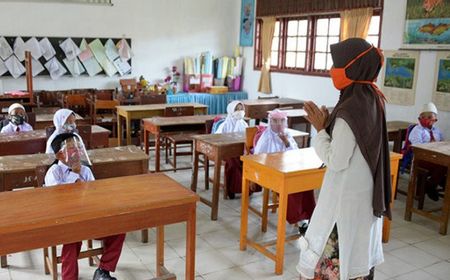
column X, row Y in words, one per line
column 343, row 240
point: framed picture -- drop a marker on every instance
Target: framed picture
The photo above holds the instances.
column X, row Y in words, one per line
column 399, row 76
column 441, row 90
column 247, row 23
column 427, row 24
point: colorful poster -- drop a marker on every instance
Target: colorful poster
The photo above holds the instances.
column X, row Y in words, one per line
column 247, row 22
column 399, row 76
column 441, row 86
column 427, row 24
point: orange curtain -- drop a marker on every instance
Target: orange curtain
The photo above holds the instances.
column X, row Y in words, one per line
column 267, row 31
column 355, row 23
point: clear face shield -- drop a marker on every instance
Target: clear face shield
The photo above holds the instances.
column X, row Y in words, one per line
column 74, row 153
column 278, row 125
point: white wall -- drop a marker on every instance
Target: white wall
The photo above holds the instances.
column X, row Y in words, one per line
column 321, row 90
column 162, row 32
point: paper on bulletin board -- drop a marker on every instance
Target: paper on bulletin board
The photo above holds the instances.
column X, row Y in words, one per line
column 441, row 86
column 111, row 50
column 3, row 68
column 55, row 68
column 32, row 45
column 74, row 66
column 5, row 49
column 124, row 50
column 123, row 67
column 15, row 68
column 47, row 49
column 87, row 58
column 19, row 49
column 36, row 67
column 70, row 49
column 399, row 76
column 99, row 52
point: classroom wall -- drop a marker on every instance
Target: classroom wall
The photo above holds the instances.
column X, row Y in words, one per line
column 321, row 90
column 162, row 32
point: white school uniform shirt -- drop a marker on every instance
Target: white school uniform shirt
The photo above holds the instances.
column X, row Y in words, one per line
column 345, row 200
column 59, row 174
column 421, row 135
column 11, row 128
column 59, row 119
column 270, row 142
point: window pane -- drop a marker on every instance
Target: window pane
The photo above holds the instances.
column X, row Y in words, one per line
column 301, row 44
column 329, row 62
column 322, row 26
column 332, row 40
column 291, row 44
column 321, row 44
column 274, row 59
column 374, row 26
column 275, row 44
column 290, row 59
column 302, row 27
column 292, row 28
column 277, row 28
column 335, row 26
column 301, row 60
column 373, row 40
column 319, row 61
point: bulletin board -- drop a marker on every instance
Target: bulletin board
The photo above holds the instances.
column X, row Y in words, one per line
column 60, row 54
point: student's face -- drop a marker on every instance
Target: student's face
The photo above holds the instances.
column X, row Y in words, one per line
column 18, row 112
column 70, row 154
column 278, row 125
column 239, row 107
column 71, row 119
column 430, row 117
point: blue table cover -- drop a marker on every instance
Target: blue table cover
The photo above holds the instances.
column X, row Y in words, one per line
column 217, row 103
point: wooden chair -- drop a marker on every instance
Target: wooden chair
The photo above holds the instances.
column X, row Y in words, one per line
column 103, row 94
column 104, row 113
column 128, row 85
column 85, row 131
column 51, row 259
column 173, row 139
column 250, row 133
column 153, row 99
column 77, row 103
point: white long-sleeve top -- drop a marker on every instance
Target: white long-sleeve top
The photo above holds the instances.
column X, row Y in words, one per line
column 12, row 128
column 345, row 200
column 59, row 174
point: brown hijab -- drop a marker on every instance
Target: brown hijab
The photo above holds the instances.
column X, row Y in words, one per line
column 363, row 109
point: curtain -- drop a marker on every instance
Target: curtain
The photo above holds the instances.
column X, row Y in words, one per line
column 355, row 23
column 267, row 31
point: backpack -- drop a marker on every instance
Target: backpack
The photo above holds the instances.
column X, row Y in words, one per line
column 407, row 150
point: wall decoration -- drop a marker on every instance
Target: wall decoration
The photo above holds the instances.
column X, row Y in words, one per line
column 441, row 86
column 427, row 24
column 247, row 22
column 399, row 76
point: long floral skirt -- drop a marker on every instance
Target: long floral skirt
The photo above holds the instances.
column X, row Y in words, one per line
column 328, row 266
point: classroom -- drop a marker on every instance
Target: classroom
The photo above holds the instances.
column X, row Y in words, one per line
column 224, row 139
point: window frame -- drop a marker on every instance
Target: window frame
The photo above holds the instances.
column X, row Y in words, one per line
column 310, row 44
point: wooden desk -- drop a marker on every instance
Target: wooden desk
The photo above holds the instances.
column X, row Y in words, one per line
column 219, row 147
column 397, row 133
column 45, row 120
column 158, row 125
column 137, row 112
column 33, row 142
column 285, row 173
column 437, row 153
column 257, row 108
column 19, row 171
column 45, row 217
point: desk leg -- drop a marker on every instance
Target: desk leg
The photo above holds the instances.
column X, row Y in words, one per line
column 397, row 142
column 119, row 130
column 411, row 192
column 190, row 245
column 216, row 189
column 206, row 163
column 128, row 128
column 146, row 141
column 157, row 151
column 244, row 213
column 281, row 232
column 159, row 251
column 194, row 170
column 445, row 207
column 4, row 262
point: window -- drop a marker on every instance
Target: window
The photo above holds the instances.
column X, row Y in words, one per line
column 302, row 45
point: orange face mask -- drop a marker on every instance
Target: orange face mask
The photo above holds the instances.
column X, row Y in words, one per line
column 339, row 77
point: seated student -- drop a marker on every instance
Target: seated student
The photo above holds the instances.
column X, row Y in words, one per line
column 425, row 132
column 17, row 117
column 276, row 138
column 234, row 122
column 64, row 122
column 68, row 168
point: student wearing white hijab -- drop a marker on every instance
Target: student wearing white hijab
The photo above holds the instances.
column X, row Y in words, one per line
column 276, row 138
column 64, row 122
column 234, row 122
column 17, row 117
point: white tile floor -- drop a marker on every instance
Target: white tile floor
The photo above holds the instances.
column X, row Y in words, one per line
column 416, row 249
